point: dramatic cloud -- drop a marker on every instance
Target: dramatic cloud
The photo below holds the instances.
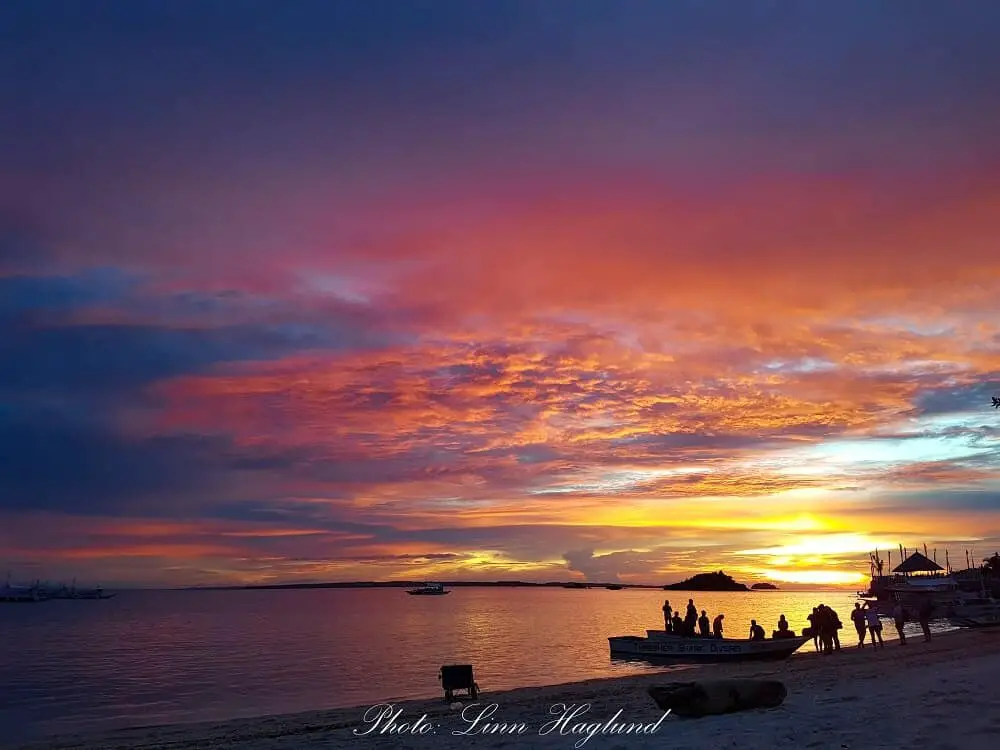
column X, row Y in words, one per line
column 496, row 292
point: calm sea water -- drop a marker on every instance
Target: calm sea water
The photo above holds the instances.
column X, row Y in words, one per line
column 153, row 657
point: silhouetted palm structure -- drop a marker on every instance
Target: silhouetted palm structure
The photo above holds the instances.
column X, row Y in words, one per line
column 991, row 565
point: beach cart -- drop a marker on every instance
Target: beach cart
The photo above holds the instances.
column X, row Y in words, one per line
column 458, row 677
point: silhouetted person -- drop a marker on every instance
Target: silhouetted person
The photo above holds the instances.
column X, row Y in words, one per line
column 874, row 627
column 899, row 619
column 756, row 631
column 667, row 614
column 690, row 618
column 813, row 618
column 924, row 614
column 782, row 624
column 717, row 625
column 835, row 626
column 678, row 624
column 860, row 624
column 703, row 624
column 824, row 621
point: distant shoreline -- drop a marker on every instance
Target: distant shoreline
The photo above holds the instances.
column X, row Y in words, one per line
column 472, row 584
column 412, row 584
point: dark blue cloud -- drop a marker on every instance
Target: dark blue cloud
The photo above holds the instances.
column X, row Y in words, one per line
column 59, row 295
column 64, row 383
column 943, row 499
column 43, row 347
column 955, row 399
column 49, row 462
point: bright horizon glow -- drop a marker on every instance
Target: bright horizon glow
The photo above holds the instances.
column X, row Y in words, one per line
column 817, row 577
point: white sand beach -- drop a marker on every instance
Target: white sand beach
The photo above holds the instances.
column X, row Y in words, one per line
column 943, row 694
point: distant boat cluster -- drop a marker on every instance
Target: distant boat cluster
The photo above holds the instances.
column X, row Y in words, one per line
column 40, row 592
column 429, row 589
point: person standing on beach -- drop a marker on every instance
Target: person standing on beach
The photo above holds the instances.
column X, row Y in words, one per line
column 925, row 612
column 874, row 627
column 717, row 626
column 858, row 618
column 825, row 622
column 814, row 626
column 667, row 613
column 835, row 625
column 899, row 618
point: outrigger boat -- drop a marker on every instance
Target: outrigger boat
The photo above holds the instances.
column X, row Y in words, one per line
column 660, row 645
column 983, row 612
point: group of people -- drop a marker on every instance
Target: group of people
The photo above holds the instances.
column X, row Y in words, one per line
column 866, row 622
column 824, row 624
column 691, row 624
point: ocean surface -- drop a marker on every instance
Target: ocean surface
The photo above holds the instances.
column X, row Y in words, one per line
column 157, row 657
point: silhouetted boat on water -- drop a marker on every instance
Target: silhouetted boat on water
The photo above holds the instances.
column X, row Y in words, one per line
column 429, row 589
column 661, row 646
column 21, row 594
column 39, row 592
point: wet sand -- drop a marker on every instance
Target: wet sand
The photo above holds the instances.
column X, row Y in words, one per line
column 943, row 694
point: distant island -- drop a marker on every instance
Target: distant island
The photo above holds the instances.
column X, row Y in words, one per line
column 717, row 581
column 763, row 587
column 412, row 584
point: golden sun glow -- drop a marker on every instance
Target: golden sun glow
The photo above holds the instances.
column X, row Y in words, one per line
column 817, row 577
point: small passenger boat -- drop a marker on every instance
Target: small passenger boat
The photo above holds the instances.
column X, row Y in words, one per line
column 661, row 646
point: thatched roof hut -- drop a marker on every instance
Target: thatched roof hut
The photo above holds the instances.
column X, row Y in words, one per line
column 917, row 563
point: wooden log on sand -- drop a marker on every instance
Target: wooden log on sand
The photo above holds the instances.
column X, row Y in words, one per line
column 710, row 697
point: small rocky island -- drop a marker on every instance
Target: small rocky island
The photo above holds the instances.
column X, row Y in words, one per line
column 763, row 587
column 717, row 581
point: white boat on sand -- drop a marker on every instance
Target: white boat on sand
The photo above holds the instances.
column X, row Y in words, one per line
column 660, row 645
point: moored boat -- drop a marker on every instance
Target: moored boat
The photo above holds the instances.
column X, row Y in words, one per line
column 982, row 612
column 660, row 645
column 429, row 589
column 913, row 581
column 21, row 595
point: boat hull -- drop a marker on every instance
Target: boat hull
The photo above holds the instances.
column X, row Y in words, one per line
column 979, row 621
column 662, row 647
column 977, row 613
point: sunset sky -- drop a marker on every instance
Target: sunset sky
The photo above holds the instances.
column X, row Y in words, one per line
column 496, row 290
